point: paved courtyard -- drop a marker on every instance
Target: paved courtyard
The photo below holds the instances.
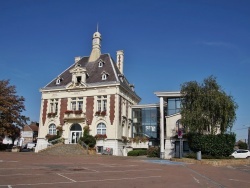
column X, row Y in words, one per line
column 39, row 170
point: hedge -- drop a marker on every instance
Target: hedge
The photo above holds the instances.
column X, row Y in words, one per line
column 214, row 145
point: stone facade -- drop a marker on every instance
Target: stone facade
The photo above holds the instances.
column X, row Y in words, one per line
column 92, row 92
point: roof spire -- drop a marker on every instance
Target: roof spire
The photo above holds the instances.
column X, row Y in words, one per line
column 96, row 46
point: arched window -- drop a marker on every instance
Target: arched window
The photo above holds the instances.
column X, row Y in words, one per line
column 101, row 128
column 76, row 127
column 52, row 129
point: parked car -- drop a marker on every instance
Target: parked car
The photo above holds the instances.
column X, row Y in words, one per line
column 241, row 154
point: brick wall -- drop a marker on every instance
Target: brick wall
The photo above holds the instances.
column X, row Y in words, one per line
column 45, row 104
column 112, row 109
column 63, row 109
column 89, row 109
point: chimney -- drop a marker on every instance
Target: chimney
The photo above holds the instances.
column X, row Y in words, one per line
column 120, row 60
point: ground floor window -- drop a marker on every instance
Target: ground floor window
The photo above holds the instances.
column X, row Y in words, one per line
column 99, row 149
column 101, row 128
column 52, row 129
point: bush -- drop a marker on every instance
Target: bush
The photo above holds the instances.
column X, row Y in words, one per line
column 89, row 140
column 153, row 152
column 212, row 145
column 137, row 152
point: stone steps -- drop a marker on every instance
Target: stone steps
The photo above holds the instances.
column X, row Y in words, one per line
column 65, row 149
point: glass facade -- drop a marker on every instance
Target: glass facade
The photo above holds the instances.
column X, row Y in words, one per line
column 174, row 106
column 146, row 123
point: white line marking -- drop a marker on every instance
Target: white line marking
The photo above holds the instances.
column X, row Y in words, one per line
column 21, row 174
column 118, row 179
column 66, row 177
column 109, row 171
column 86, row 181
column 195, row 179
column 24, row 168
column 239, row 180
column 9, row 186
column 8, row 161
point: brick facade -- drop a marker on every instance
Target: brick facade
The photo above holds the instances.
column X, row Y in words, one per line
column 45, row 104
column 63, row 109
column 89, row 109
column 112, row 109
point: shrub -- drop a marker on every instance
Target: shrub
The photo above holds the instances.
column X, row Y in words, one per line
column 137, row 152
column 89, row 140
column 153, row 152
column 212, row 145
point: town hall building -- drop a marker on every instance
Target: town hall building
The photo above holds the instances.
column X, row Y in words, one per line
column 92, row 92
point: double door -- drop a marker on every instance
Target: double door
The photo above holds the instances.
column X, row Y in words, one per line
column 75, row 136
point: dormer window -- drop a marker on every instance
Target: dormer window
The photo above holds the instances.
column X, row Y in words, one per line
column 104, row 75
column 101, row 63
column 58, row 80
column 121, row 76
column 78, row 79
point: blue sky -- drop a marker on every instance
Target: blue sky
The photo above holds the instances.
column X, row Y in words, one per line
column 166, row 43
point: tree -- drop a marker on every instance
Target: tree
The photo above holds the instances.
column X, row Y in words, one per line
column 11, row 107
column 206, row 107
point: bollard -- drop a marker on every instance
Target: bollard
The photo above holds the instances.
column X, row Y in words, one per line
column 199, row 155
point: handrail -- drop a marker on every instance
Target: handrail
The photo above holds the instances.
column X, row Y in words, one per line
column 84, row 145
column 57, row 140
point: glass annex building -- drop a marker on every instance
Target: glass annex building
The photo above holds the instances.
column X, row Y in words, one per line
column 146, row 120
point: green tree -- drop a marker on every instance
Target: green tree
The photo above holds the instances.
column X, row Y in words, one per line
column 242, row 145
column 206, row 107
column 11, row 107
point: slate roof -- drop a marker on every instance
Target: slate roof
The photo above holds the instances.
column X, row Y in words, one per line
column 94, row 73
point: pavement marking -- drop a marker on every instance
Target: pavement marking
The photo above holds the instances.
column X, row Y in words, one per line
column 239, row 180
column 9, row 186
column 21, row 174
column 195, row 179
column 119, row 179
column 166, row 162
column 24, row 168
column 205, row 177
column 110, row 171
column 1, row 161
column 66, row 177
column 85, row 181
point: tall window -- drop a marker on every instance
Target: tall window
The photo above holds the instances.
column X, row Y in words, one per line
column 174, row 106
column 76, row 103
column 52, row 129
column 53, row 106
column 101, row 128
column 102, row 103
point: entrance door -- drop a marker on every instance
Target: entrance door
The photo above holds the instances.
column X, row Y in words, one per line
column 75, row 133
column 75, row 136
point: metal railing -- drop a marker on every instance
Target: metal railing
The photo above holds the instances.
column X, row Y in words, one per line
column 55, row 141
column 85, row 146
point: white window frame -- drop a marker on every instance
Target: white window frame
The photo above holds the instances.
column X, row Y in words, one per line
column 53, row 106
column 102, row 103
column 52, row 129
column 101, row 128
column 76, row 103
